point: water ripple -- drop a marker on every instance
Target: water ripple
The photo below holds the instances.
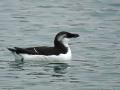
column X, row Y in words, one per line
column 96, row 60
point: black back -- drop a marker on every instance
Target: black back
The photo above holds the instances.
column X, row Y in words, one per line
column 40, row 50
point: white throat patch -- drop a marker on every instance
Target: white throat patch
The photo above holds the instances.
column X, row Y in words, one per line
column 64, row 40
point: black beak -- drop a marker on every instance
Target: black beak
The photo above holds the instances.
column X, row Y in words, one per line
column 73, row 35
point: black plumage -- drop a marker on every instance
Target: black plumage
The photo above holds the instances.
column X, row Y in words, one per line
column 39, row 50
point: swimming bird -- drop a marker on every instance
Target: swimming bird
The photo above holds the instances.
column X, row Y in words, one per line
column 59, row 52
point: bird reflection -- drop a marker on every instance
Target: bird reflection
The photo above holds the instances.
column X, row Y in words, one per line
column 60, row 68
column 16, row 66
column 55, row 68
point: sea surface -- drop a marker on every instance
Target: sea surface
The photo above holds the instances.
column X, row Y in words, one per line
column 96, row 53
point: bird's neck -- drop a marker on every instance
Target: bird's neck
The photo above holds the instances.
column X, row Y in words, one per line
column 61, row 45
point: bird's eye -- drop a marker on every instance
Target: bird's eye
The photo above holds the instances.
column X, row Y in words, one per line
column 68, row 35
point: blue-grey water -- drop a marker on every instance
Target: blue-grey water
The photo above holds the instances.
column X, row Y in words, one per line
column 96, row 53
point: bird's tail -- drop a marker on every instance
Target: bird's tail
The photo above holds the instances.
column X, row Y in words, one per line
column 12, row 49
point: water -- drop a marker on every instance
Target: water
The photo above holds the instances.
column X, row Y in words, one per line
column 96, row 60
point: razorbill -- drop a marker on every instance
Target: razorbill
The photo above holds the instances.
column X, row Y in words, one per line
column 59, row 52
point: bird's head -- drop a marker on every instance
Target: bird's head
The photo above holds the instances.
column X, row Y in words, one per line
column 64, row 37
